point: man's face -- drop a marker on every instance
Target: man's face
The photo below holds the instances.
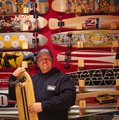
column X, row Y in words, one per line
column 45, row 62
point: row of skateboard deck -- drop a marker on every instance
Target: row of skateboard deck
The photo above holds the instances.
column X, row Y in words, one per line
column 35, row 22
column 66, row 6
column 92, row 59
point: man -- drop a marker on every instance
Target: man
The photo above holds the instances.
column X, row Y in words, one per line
column 54, row 91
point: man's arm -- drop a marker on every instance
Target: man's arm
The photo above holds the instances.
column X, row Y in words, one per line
column 11, row 90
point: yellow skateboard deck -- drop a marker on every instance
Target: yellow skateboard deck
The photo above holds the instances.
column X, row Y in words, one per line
column 25, row 96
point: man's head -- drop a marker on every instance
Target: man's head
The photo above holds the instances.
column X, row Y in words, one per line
column 45, row 60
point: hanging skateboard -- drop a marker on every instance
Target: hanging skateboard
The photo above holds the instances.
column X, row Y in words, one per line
column 86, row 22
column 12, row 41
column 22, row 23
column 10, row 7
column 86, row 6
column 14, row 59
column 92, row 59
column 87, row 38
column 96, row 77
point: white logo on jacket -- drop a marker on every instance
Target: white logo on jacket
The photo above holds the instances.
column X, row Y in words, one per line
column 51, row 88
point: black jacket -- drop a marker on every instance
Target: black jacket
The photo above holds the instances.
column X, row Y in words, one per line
column 56, row 92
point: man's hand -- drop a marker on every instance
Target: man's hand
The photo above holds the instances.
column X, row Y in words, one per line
column 35, row 107
column 18, row 71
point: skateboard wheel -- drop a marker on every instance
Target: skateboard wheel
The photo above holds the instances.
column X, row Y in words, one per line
column 66, row 66
column 69, row 35
column 68, row 53
column 60, row 23
column 35, row 16
column 22, row 79
column 36, row 29
column 69, row 47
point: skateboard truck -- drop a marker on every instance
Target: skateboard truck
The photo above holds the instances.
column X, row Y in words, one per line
column 67, row 59
column 35, row 40
column 19, row 81
column 60, row 23
column 69, row 40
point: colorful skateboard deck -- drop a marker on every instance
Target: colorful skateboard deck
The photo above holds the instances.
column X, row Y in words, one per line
column 96, row 77
column 10, row 7
column 14, row 59
column 86, row 6
column 22, row 23
column 11, row 41
column 25, row 97
column 103, row 98
column 90, row 38
column 92, row 59
column 85, row 22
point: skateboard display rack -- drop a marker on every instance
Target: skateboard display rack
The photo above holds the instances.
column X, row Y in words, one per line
column 94, row 69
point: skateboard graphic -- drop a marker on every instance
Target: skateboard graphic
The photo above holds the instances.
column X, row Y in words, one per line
column 14, row 59
column 96, row 77
column 25, row 97
column 10, row 7
column 11, row 41
column 22, row 23
column 85, row 22
column 103, row 98
column 86, row 6
column 92, row 59
column 87, row 38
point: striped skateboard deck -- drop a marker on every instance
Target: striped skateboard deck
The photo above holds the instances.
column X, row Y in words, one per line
column 92, row 59
column 25, row 97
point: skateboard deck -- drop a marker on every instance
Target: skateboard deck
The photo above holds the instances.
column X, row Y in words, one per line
column 103, row 98
column 91, row 58
column 25, row 97
column 14, row 59
column 8, row 7
column 22, row 23
column 89, row 38
column 96, row 77
column 85, row 22
column 86, row 6
column 11, row 41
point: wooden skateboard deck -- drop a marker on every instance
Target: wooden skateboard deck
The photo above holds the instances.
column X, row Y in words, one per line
column 25, row 97
column 89, row 38
column 103, row 98
column 12, row 41
column 14, row 59
column 22, row 23
column 8, row 7
column 86, row 6
column 86, row 22
column 92, row 59
column 96, row 77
